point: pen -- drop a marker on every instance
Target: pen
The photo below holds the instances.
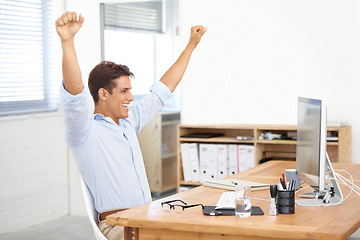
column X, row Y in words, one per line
column 283, row 183
column 293, row 184
column 283, row 176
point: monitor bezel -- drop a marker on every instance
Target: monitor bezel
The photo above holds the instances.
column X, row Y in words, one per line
column 324, row 195
column 321, row 160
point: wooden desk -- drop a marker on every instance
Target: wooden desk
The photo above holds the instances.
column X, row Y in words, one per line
column 150, row 221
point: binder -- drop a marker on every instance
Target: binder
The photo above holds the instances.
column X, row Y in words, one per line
column 242, row 158
column 204, row 162
column 249, row 156
column 213, row 162
column 194, row 161
column 185, row 160
column 208, row 161
column 223, row 160
column 233, row 159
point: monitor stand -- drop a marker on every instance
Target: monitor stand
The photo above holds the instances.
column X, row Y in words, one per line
column 312, row 195
column 336, row 196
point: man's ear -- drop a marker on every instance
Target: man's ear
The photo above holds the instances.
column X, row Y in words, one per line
column 103, row 94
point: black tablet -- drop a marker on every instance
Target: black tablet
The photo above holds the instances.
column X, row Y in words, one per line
column 211, row 211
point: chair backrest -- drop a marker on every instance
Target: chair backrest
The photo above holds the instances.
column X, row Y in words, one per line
column 90, row 209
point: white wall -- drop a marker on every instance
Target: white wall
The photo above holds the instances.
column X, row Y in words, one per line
column 259, row 56
column 33, row 172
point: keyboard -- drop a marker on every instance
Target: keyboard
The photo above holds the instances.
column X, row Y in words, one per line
column 226, row 201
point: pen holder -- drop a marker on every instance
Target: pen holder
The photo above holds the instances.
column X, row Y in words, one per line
column 286, row 202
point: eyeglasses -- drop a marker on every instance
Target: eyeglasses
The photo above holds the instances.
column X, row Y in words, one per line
column 176, row 207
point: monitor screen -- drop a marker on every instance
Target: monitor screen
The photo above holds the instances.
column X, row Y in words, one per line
column 311, row 142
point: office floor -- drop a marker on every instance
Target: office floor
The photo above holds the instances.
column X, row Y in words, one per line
column 75, row 227
column 64, row 228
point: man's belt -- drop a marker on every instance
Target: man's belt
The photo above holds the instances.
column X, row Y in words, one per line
column 104, row 214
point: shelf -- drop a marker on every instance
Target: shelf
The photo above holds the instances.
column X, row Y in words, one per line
column 338, row 151
column 235, row 141
column 289, row 142
column 157, row 138
column 215, row 140
column 190, row 183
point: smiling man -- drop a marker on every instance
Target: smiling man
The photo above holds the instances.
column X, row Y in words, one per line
column 110, row 86
column 105, row 145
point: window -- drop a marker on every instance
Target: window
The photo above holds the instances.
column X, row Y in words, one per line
column 140, row 58
column 26, row 57
column 135, row 34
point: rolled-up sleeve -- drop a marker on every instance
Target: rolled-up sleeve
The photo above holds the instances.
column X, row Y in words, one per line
column 77, row 121
column 149, row 106
column 162, row 91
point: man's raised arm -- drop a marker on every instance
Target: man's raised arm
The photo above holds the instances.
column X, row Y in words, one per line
column 173, row 76
column 67, row 26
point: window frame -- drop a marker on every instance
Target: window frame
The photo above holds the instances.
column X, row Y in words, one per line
column 170, row 31
column 49, row 102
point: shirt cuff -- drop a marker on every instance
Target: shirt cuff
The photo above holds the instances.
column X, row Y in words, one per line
column 162, row 91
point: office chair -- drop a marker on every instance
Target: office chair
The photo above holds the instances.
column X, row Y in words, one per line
column 90, row 209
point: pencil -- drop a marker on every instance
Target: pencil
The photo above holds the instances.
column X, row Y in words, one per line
column 283, row 176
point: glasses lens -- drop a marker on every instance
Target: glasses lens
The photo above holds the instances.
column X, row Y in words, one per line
column 178, row 209
column 166, row 207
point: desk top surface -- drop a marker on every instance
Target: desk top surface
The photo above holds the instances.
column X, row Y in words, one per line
column 331, row 222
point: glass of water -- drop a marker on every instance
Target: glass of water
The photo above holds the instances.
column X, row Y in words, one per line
column 243, row 201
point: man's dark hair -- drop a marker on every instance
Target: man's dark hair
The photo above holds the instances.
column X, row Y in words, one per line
column 104, row 75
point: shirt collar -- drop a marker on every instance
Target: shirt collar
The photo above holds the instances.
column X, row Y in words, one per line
column 100, row 116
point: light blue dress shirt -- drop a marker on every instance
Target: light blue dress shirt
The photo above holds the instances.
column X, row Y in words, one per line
column 108, row 155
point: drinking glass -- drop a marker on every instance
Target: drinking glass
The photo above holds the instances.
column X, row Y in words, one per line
column 243, row 201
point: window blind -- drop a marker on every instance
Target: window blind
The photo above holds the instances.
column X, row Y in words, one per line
column 146, row 16
column 26, row 62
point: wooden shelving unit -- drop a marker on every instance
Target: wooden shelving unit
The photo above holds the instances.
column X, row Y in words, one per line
column 158, row 144
column 339, row 151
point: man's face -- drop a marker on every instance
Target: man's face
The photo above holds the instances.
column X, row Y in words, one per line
column 118, row 102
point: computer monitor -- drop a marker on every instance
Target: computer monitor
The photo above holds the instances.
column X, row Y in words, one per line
column 312, row 161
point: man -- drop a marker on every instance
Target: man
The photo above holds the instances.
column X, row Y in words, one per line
column 105, row 146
